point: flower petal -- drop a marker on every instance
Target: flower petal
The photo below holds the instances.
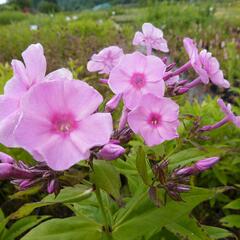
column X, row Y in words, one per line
column 94, row 130
column 35, row 62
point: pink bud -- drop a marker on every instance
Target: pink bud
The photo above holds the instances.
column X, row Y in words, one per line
column 113, row 103
column 111, row 151
column 9, row 171
column 5, row 158
column 5, row 170
column 186, row 171
column 205, row 164
column 52, row 186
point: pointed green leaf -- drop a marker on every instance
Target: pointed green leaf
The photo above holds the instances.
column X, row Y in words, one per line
column 142, row 166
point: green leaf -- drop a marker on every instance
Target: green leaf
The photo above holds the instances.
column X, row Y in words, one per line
column 141, row 165
column 22, row 226
column 70, row 195
column 231, row 221
column 66, row 197
column 72, row 228
column 235, row 204
column 188, row 228
column 217, row 233
column 106, row 177
column 185, row 157
column 137, row 221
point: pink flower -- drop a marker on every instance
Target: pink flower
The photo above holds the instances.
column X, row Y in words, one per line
column 228, row 113
column 205, row 65
column 59, row 122
column 151, row 37
column 105, row 60
column 155, row 119
column 136, row 75
column 24, row 77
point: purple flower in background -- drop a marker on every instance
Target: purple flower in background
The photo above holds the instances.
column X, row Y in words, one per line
column 155, row 119
column 105, row 60
column 206, row 66
column 151, row 37
column 228, row 113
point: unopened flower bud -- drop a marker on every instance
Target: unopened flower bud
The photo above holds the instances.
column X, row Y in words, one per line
column 113, row 103
column 111, row 151
column 186, row 171
column 5, row 158
column 182, row 188
column 205, row 164
column 52, row 186
column 9, row 171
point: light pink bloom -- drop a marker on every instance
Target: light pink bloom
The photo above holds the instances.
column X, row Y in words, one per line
column 151, row 37
column 228, row 113
column 155, row 119
column 206, row 66
column 105, row 60
column 24, row 77
column 59, row 122
column 136, row 75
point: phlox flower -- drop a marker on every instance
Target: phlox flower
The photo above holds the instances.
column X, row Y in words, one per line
column 25, row 76
column 206, row 66
column 151, row 37
column 105, row 60
column 136, row 75
column 155, row 119
column 229, row 115
column 59, row 124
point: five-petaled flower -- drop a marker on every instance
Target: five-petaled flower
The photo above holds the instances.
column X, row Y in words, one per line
column 137, row 75
column 151, row 37
column 155, row 119
column 24, row 78
column 105, row 60
column 206, row 66
column 59, row 123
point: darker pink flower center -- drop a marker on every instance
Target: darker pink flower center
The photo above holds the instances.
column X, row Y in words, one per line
column 154, row 119
column 138, row 80
column 63, row 123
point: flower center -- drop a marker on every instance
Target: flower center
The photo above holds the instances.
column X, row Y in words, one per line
column 63, row 123
column 154, row 119
column 138, row 80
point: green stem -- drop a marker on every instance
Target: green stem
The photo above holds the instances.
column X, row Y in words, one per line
column 99, row 198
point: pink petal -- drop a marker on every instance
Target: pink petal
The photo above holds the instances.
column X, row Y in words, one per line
column 94, row 130
column 147, row 29
column 60, row 74
column 168, row 130
column 61, row 153
column 45, row 99
column 132, row 98
column 7, row 128
column 8, row 105
column 218, row 79
column 32, row 131
column 93, row 66
column 137, row 118
column 138, row 38
column 35, row 62
column 151, row 135
column 155, row 88
column 80, row 98
column 155, row 68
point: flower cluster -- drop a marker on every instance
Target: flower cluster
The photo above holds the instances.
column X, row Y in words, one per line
column 57, row 118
